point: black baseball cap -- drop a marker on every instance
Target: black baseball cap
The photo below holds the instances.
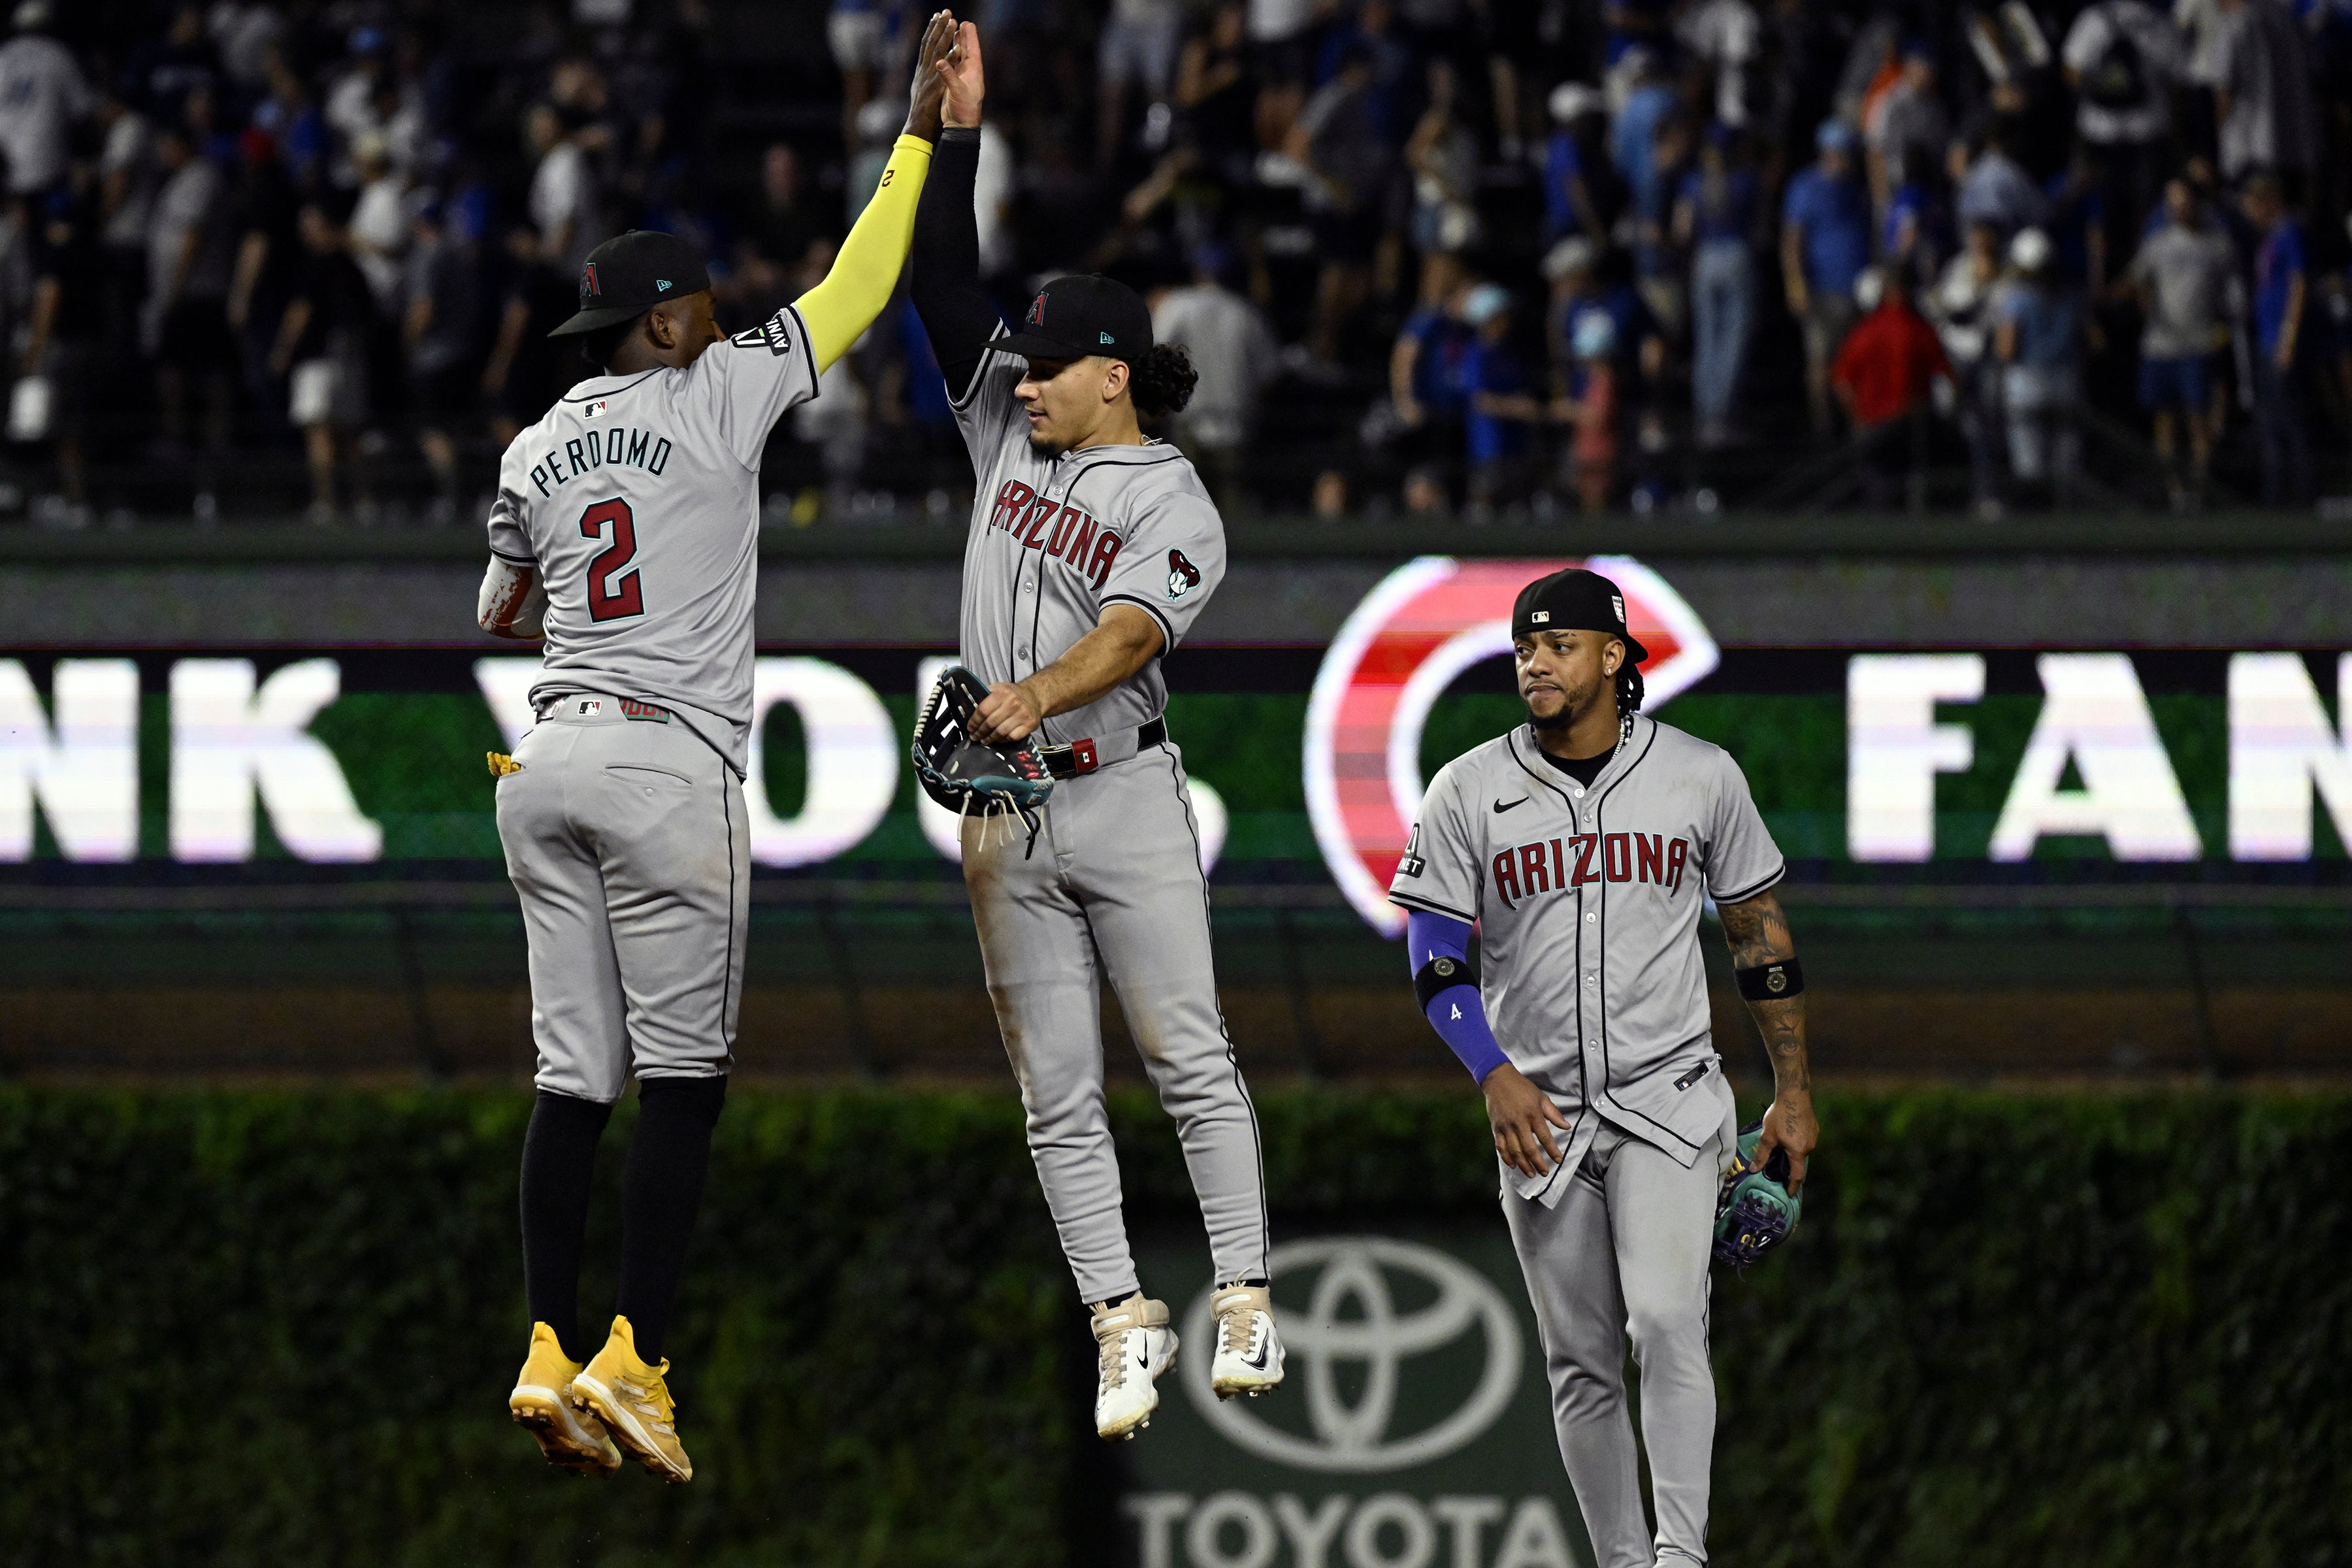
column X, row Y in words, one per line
column 630, row 274
column 1574, row 600
column 1084, row 314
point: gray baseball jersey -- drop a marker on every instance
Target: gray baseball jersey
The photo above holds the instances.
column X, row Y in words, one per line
column 1112, row 887
column 1588, row 902
column 1055, row 541
column 637, row 500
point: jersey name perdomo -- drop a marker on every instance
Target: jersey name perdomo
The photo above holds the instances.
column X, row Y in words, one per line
column 1573, row 860
column 616, row 446
column 1062, row 532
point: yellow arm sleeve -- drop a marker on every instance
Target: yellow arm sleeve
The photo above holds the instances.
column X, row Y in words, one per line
column 864, row 274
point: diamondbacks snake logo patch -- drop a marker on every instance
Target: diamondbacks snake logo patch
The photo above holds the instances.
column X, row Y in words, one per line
column 1182, row 575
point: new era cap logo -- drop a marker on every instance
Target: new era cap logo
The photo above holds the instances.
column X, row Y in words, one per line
column 1106, row 337
column 661, row 285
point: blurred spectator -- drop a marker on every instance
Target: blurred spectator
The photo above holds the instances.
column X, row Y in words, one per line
column 1216, row 97
column 1962, row 306
column 189, row 263
column 1503, row 408
column 2037, row 338
column 2281, row 296
column 782, row 226
column 244, row 33
column 1443, row 158
column 63, row 342
column 2261, row 78
column 1348, row 168
column 878, row 129
column 1577, row 112
column 378, row 231
column 322, row 352
column 1714, row 220
column 43, row 96
column 527, row 369
column 2184, row 275
column 1909, row 128
column 1234, row 353
column 1825, row 246
column 565, row 202
column 1997, row 190
column 2124, row 59
column 1592, row 410
column 1726, row 36
column 1429, row 386
column 441, row 332
column 1885, row 374
column 864, row 37
column 1138, row 47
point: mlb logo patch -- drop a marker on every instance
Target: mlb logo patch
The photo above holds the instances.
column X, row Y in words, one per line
column 588, row 707
column 1540, row 617
column 596, row 410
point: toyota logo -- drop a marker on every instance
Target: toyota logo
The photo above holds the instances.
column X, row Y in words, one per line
column 1350, row 1324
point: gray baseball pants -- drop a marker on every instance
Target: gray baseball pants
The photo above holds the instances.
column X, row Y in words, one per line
column 1624, row 1253
column 1114, row 890
column 627, row 841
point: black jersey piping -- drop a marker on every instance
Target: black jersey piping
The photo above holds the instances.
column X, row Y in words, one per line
column 1771, row 881
column 1410, row 902
column 1166, row 630
column 515, row 559
column 988, row 350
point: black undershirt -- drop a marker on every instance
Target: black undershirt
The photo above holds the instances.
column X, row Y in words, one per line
column 1583, row 769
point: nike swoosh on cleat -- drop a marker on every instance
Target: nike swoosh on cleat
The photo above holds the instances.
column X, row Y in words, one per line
column 1258, row 1358
column 1502, row 807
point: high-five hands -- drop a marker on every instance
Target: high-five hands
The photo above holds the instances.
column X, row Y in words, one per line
column 930, row 87
column 962, row 77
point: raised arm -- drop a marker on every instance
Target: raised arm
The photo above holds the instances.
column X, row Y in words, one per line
column 865, row 271
column 1764, row 960
column 956, row 312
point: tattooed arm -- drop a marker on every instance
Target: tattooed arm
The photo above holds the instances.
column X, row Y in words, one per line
column 1758, row 934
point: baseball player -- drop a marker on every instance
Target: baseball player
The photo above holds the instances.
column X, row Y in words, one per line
column 1583, row 844
column 625, row 532
column 1091, row 552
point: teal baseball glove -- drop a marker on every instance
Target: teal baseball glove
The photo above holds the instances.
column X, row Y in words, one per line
column 1756, row 1211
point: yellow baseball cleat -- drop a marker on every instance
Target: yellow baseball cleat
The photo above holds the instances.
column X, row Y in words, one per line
column 629, row 1397
column 541, row 1403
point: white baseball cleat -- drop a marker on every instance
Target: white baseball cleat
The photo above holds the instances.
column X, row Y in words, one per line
column 1249, row 1353
column 1136, row 1346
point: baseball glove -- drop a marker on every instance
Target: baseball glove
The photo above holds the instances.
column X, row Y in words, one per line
column 1756, row 1211
column 968, row 775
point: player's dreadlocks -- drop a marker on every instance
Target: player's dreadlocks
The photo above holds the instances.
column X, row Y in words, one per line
column 1163, row 381
column 1629, row 688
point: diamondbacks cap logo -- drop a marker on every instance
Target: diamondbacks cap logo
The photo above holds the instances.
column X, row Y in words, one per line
column 589, row 288
column 1182, row 575
column 1037, row 310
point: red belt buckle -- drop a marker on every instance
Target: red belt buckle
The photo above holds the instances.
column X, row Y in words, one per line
column 1081, row 756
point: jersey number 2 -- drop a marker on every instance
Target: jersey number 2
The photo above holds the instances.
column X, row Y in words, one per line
column 614, row 591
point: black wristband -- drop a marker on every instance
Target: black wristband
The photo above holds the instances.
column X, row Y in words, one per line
column 1774, row 981
column 949, row 134
column 1443, row 973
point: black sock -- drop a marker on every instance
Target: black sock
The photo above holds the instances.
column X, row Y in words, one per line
column 559, row 1161
column 662, row 1193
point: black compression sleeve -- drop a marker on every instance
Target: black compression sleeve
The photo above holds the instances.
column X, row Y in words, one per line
column 945, row 262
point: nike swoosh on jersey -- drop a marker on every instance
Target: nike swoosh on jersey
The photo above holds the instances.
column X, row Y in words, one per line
column 1502, row 807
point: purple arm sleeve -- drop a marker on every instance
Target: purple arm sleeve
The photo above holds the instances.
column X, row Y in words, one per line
column 1456, row 1013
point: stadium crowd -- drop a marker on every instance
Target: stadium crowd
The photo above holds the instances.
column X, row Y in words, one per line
column 1476, row 256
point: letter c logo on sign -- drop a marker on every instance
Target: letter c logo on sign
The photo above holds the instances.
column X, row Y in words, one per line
column 1426, row 623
